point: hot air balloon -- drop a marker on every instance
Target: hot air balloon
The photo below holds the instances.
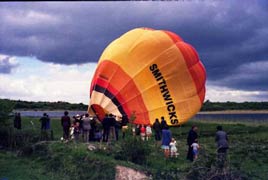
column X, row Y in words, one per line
column 148, row 74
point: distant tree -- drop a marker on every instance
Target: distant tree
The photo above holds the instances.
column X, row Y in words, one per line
column 6, row 108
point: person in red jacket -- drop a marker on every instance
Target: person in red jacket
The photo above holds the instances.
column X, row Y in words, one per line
column 143, row 132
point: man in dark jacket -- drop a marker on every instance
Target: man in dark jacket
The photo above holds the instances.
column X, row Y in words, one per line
column 44, row 121
column 157, row 129
column 44, row 126
column 66, row 124
column 124, row 125
column 17, row 121
column 117, row 127
column 192, row 136
column 106, row 128
column 163, row 123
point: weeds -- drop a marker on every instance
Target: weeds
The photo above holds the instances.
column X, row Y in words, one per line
column 246, row 157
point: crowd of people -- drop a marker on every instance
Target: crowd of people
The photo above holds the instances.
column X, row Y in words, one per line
column 85, row 128
column 81, row 128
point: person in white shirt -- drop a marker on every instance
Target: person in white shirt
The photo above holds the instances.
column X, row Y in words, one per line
column 86, row 127
column 195, row 147
column 173, row 148
column 148, row 132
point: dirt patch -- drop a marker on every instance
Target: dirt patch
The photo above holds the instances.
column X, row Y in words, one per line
column 124, row 173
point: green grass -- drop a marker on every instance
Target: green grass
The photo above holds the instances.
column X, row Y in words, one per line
column 34, row 125
column 13, row 168
column 247, row 157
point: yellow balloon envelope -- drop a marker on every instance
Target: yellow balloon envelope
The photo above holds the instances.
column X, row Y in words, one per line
column 149, row 74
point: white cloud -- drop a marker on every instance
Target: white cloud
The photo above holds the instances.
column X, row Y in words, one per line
column 38, row 81
column 52, row 83
column 223, row 94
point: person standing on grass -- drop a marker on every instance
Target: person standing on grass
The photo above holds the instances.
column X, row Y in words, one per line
column 173, row 148
column 66, row 124
column 77, row 131
column 137, row 130
column 142, row 132
column 78, row 118
column 17, row 121
column 157, row 130
column 124, row 125
column 44, row 125
column 195, row 147
column 222, row 144
column 112, row 122
column 148, row 132
column 86, row 127
column 117, row 127
column 163, row 123
column 166, row 139
column 48, row 128
column 93, row 122
column 192, row 136
column 106, row 128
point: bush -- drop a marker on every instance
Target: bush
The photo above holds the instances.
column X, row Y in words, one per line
column 6, row 108
column 14, row 139
column 134, row 150
column 207, row 166
column 73, row 161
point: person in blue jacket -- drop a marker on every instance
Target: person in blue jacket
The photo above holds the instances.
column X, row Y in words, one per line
column 166, row 139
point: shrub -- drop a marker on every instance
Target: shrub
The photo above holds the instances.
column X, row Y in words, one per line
column 73, row 161
column 134, row 150
column 6, row 108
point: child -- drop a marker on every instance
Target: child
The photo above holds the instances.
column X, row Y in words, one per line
column 137, row 130
column 148, row 132
column 173, row 148
column 195, row 147
column 76, row 131
column 71, row 132
column 133, row 131
column 98, row 135
column 142, row 131
column 124, row 130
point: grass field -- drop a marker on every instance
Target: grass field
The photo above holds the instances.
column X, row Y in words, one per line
column 247, row 157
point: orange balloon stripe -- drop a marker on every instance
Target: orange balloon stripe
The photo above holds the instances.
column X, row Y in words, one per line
column 198, row 73
column 94, row 79
column 109, row 88
column 98, row 111
column 173, row 36
column 120, row 78
column 195, row 67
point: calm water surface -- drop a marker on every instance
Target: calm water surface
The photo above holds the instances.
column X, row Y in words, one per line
column 258, row 117
column 54, row 114
column 244, row 117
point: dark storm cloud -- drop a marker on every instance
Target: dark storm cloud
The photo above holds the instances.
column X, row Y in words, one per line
column 251, row 76
column 227, row 34
column 6, row 65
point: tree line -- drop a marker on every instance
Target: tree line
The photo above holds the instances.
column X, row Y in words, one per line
column 30, row 105
column 223, row 106
column 60, row 105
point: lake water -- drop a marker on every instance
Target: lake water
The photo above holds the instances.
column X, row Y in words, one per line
column 242, row 117
column 53, row 114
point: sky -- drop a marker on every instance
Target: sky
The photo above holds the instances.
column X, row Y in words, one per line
column 49, row 50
